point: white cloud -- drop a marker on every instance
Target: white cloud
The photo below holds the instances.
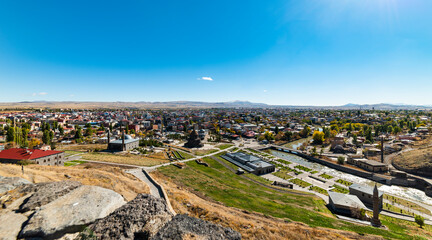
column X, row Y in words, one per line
column 205, row 78
column 41, row 94
column 265, row 90
column 71, row 95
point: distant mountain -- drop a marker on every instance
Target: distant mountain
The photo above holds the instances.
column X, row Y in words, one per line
column 197, row 105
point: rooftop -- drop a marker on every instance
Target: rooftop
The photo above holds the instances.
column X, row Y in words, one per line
column 365, row 189
column 25, row 154
column 346, row 200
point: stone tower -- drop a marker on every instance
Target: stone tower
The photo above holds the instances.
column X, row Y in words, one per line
column 376, row 206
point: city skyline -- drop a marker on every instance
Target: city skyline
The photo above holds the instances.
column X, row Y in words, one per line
column 319, row 53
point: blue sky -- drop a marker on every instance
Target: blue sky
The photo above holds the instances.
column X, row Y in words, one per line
column 309, row 52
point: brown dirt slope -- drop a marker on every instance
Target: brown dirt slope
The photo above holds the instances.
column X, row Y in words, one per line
column 113, row 178
column 250, row 225
column 417, row 161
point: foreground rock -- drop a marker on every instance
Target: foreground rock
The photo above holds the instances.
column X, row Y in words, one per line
column 185, row 227
column 9, row 183
column 141, row 218
column 48, row 192
column 72, row 212
column 10, row 224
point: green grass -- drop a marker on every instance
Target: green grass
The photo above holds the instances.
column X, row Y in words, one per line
column 69, row 152
column 303, row 168
column 318, row 190
column 185, row 155
column 224, row 146
column 326, row 176
column 300, row 182
column 73, row 163
column 346, row 183
column 283, row 174
column 406, row 203
column 313, row 172
column 283, row 161
column 205, row 152
column 234, row 149
column 220, row 184
column 340, row 189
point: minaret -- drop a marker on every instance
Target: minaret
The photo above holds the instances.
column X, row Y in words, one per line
column 123, row 138
column 382, row 149
column 376, row 207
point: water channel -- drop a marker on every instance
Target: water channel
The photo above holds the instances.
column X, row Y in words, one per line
column 404, row 192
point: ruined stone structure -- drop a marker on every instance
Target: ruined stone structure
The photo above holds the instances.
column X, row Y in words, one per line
column 193, row 141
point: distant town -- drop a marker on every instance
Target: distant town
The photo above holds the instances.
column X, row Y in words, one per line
column 363, row 164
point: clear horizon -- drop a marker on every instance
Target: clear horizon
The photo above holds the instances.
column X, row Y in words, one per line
column 315, row 53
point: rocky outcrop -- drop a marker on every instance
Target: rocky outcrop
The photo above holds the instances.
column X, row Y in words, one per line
column 9, row 183
column 48, row 192
column 183, row 226
column 72, row 212
column 148, row 217
column 141, row 218
column 10, row 224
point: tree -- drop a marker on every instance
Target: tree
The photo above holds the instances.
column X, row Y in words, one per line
column 78, row 134
column 419, row 220
column 355, row 142
column 33, row 143
column 10, row 135
column 46, row 137
column 340, row 160
column 305, row 132
column 268, row 136
column 326, row 132
column 318, row 137
column 288, row 135
column 61, row 130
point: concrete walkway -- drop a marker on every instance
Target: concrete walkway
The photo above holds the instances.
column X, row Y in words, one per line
column 138, row 172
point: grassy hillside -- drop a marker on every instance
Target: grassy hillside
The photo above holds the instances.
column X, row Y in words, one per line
column 219, row 184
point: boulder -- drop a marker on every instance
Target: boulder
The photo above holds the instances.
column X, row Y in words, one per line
column 183, row 226
column 71, row 212
column 10, row 224
column 48, row 192
column 9, row 183
column 141, row 218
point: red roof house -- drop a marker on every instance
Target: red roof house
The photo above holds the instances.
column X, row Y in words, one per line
column 42, row 157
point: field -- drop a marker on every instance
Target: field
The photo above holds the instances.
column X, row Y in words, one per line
column 73, row 163
column 113, row 178
column 81, row 147
column 344, row 182
column 318, row 190
column 326, row 176
column 406, row 203
column 340, row 189
column 123, row 159
column 224, row 146
column 217, row 183
column 204, row 152
column 300, row 182
column 282, row 174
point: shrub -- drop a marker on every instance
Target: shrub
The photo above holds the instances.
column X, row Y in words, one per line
column 341, row 160
column 419, row 220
